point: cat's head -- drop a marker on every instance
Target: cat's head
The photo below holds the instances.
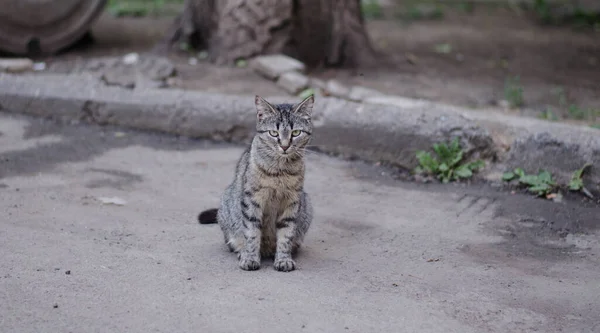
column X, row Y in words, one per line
column 284, row 128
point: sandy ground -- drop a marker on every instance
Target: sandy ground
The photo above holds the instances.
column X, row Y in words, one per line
column 381, row 256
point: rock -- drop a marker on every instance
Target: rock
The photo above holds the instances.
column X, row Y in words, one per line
column 144, row 83
column 398, row 101
column 131, row 58
column 317, row 83
column 272, row 66
column 16, row 65
column 39, row 66
column 122, row 79
column 337, row 89
column 293, row 82
column 359, row 93
column 504, row 104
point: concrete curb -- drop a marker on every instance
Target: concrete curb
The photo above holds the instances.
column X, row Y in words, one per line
column 372, row 132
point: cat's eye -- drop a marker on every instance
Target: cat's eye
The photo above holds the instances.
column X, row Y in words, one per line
column 274, row 133
column 296, row 132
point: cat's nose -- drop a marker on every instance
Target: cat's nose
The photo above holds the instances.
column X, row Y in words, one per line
column 285, row 148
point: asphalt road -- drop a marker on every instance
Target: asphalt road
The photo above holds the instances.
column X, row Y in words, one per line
column 382, row 255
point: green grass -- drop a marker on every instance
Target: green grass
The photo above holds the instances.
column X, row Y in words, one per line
column 578, row 17
column 574, row 111
column 548, row 114
column 513, row 92
column 425, row 11
column 138, row 8
column 371, row 9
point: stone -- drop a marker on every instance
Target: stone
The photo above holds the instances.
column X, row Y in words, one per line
column 144, row 83
column 293, row 82
column 337, row 89
column 401, row 102
column 15, row 65
column 359, row 93
column 317, row 83
column 272, row 66
column 131, row 58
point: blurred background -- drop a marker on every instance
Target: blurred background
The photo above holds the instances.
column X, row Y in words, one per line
column 536, row 58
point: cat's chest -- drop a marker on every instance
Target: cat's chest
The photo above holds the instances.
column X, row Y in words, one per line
column 280, row 186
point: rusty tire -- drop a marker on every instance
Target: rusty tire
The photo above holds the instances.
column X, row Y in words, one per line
column 45, row 26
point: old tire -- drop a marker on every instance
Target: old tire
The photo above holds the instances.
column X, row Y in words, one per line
column 43, row 27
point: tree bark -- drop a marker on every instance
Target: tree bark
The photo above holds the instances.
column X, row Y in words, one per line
column 317, row 32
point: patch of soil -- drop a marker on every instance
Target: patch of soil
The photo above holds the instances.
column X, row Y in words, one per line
column 486, row 47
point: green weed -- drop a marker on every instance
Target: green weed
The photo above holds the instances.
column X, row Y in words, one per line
column 138, row 8
column 573, row 110
column 548, row 115
column 513, row 92
column 306, row 92
column 467, row 7
column 541, row 184
column 371, row 9
column 421, row 12
column 576, row 182
column 446, row 166
column 548, row 12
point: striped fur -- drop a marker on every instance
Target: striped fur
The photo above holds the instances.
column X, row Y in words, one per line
column 265, row 211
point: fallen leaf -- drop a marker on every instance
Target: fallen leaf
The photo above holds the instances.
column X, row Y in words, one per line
column 39, row 66
column 203, row 55
column 412, row 59
column 444, row 48
column 112, row 201
column 241, row 63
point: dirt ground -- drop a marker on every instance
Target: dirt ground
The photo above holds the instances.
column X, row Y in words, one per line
column 486, row 47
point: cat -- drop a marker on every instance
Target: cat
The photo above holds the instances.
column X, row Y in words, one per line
column 265, row 211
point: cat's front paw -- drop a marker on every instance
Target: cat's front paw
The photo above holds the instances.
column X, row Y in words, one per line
column 249, row 264
column 284, row 265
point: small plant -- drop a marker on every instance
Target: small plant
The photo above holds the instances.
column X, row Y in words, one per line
column 371, row 9
column 423, row 11
column 578, row 113
column 548, row 115
column 513, row 92
column 576, row 182
column 574, row 111
column 443, row 48
column 306, row 92
column 446, row 166
column 541, row 184
column 138, row 7
column 466, row 6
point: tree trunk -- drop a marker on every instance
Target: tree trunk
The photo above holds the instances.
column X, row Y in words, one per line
column 317, row 32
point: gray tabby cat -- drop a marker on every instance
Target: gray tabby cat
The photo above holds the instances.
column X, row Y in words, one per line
column 265, row 211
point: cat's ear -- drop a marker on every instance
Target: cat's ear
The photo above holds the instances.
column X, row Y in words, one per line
column 263, row 108
column 304, row 108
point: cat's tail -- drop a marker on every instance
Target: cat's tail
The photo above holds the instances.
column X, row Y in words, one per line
column 208, row 216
